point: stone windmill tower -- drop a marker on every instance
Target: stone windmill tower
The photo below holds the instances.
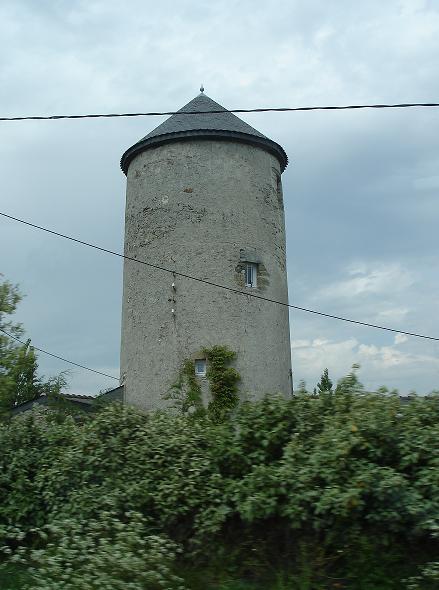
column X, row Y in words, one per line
column 204, row 197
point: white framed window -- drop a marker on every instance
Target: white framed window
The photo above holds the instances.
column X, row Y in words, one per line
column 200, row 367
column 251, row 274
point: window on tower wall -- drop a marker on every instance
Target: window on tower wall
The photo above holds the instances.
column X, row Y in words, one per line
column 251, row 274
column 200, row 367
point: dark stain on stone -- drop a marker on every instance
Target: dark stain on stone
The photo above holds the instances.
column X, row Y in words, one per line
column 263, row 277
column 156, row 222
column 239, row 275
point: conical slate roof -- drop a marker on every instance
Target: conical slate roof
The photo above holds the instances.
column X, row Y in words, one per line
column 203, row 124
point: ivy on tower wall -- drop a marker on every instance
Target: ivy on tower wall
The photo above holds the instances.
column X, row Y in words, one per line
column 223, row 385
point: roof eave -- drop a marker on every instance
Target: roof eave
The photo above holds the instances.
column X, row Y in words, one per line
column 222, row 135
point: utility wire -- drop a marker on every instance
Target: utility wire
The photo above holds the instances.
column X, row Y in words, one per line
column 58, row 357
column 254, row 295
column 404, row 105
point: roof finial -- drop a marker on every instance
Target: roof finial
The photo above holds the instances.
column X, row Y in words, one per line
column 201, row 88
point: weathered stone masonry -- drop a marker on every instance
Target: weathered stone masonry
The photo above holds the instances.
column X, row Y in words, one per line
column 203, row 197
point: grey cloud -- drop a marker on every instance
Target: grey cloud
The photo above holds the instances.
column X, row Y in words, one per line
column 360, row 186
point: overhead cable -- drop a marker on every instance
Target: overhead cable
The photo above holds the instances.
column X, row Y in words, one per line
column 403, row 105
column 211, row 283
column 58, row 357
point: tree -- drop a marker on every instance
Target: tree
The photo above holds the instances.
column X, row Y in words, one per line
column 19, row 380
column 325, row 383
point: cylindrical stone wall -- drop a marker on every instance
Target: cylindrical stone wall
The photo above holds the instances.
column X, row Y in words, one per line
column 203, row 207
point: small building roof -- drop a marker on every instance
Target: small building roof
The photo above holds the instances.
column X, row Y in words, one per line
column 203, row 124
column 82, row 401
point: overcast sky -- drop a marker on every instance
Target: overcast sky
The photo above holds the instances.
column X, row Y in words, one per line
column 361, row 189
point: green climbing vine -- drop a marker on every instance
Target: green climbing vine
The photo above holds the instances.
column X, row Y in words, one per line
column 223, row 384
column 186, row 391
column 223, row 381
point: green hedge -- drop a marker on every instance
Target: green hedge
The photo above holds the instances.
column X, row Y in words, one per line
column 339, row 490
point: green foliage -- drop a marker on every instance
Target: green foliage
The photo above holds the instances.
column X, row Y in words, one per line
column 107, row 553
column 223, row 381
column 13, row 576
column 325, row 384
column 186, row 392
column 309, row 492
column 19, row 380
column 428, row 578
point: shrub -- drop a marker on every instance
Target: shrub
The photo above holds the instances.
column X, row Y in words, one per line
column 341, row 487
column 100, row 554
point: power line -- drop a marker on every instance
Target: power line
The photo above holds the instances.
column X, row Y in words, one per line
column 211, row 283
column 404, row 105
column 58, row 357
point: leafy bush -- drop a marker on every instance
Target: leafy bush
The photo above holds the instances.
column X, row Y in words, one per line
column 340, row 488
column 100, row 554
